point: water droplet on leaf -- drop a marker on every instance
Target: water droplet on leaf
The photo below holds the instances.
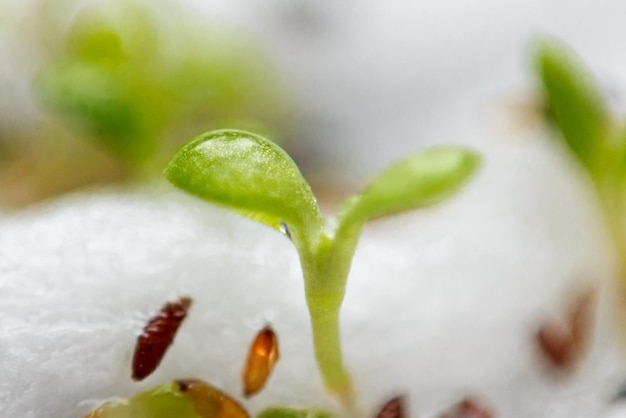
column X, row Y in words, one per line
column 285, row 229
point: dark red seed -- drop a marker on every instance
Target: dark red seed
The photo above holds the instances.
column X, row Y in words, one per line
column 393, row 409
column 157, row 337
column 468, row 408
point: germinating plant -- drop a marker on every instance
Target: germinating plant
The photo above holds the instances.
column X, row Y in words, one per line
column 254, row 177
column 584, row 124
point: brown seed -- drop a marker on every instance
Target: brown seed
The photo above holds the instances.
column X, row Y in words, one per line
column 262, row 357
column 393, row 409
column 468, row 408
column 524, row 113
column 157, row 337
column 581, row 319
column 557, row 345
column 564, row 345
column 210, row 402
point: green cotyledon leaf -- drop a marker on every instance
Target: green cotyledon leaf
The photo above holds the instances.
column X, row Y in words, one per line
column 573, row 99
column 422, row 179
column 276, row 412
column 181, row 399
column 249, row 174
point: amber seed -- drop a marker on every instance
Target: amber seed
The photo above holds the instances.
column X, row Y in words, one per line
column 393, row 409
column 262, row 357
column 210, row 402
column 157, row 336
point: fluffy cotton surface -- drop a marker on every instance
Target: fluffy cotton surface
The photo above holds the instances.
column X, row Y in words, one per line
column 441, row 303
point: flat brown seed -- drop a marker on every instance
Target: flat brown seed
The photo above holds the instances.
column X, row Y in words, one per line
column 393, row 409
column 262, row 357
column 581, row 319
column 557, row 346
column 468, row 408
column 524, row 113
column 157, row 337
column 564, row 345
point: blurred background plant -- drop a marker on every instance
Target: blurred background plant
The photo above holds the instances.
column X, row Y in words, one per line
column 579, row 112
column 119, row 85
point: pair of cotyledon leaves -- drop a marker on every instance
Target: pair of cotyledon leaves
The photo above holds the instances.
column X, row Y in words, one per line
column 252, row 175
column 248, row 173
column 245, row 172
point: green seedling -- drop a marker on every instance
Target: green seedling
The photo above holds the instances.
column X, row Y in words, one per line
column 181, row 399
column 254, row 177
column 584, row 124
column 191, row 398
column 134, row 78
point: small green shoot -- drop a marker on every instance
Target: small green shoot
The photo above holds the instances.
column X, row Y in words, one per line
column 180, row 399
column 254, row 177
column 575, row 102
column 133, row 76
column 595, row 137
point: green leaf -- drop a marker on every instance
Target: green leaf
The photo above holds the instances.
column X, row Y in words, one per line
column 573, row 99
column 420, row 180
column 276, row 412
column 249, row 174
column 180, row 399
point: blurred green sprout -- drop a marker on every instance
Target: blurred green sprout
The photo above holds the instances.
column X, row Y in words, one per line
column 257, row 179
column 584, row 124
column 137, row 77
